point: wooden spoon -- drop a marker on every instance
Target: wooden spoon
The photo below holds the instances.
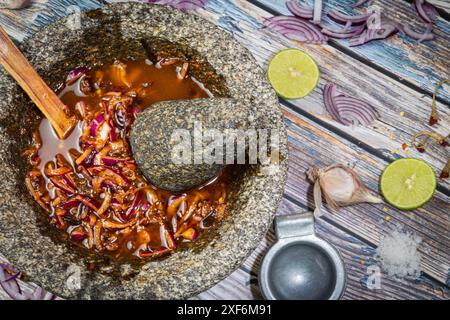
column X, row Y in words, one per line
column 45, row 99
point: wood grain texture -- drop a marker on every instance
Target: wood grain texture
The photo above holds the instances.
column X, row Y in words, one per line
column 391, row 98
column 310, row 145
column 22, row 23
column 421, row 64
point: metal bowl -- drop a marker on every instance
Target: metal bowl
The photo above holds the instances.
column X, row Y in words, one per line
column 301, row 266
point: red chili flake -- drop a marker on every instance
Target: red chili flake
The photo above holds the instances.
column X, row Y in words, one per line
column 432, row 121
column 421, row 149
column 404, row 146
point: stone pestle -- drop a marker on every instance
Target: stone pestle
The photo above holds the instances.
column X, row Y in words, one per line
column 172, row 141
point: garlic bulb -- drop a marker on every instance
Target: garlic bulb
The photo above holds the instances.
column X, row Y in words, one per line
column 14, row 4
column 340, row 186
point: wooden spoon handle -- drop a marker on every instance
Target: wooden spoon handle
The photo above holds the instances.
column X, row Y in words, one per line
column 46, row 100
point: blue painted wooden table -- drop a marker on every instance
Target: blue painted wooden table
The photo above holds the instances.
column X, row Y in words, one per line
column 397, row 76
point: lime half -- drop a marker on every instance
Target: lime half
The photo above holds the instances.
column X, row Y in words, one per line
column 408, row 183
column 293, row 73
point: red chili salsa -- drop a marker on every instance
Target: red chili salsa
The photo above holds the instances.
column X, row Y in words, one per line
column 89, row 183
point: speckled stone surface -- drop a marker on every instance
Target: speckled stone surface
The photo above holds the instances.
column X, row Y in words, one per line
column 124, row 30
column 156, row 135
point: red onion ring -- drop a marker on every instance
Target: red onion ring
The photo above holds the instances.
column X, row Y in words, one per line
column 299, row 11
column 10, row 285
column 426, row 11
column 427, row 35
column 386, row 30
column 296, row 29
column 347, row 110
column 76, row 74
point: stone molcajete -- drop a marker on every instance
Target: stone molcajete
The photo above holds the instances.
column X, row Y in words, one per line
column 135, row 31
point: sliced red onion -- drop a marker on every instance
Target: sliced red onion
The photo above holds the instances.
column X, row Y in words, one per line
column 88, row 202
column 136, row 202
column 77, row 236
column 427, row 35
column 10, row 285
column 12, row 277
column 299, row 11
column 154, row 253
column 120, row 118
column 344, row 33
column 343, row 18
column 8, row 267
column 296, row 29
column 426, row 11
column 347, row 110
column 385, row 31
column 119, row 178
column 72, row 203
column 63, row 185
column 174, row 198
column 112, row 161
column 95, row 123
column 317, row 17
column 76, row 74
column 112, row 133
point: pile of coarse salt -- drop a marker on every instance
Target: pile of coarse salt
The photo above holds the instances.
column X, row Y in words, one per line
column 398, row 255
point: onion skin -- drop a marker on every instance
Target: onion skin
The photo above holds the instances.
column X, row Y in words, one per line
column 427, row 12
column 427, row 35
column 340, row 186
column 10, row 285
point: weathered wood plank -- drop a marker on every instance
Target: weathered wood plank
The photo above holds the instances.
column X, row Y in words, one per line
column 310, row 145
column 388, row 96
column 358, row 256
column 422, row 64
column 22, row 23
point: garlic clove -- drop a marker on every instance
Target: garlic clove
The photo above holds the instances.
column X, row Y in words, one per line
column 340, row 186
